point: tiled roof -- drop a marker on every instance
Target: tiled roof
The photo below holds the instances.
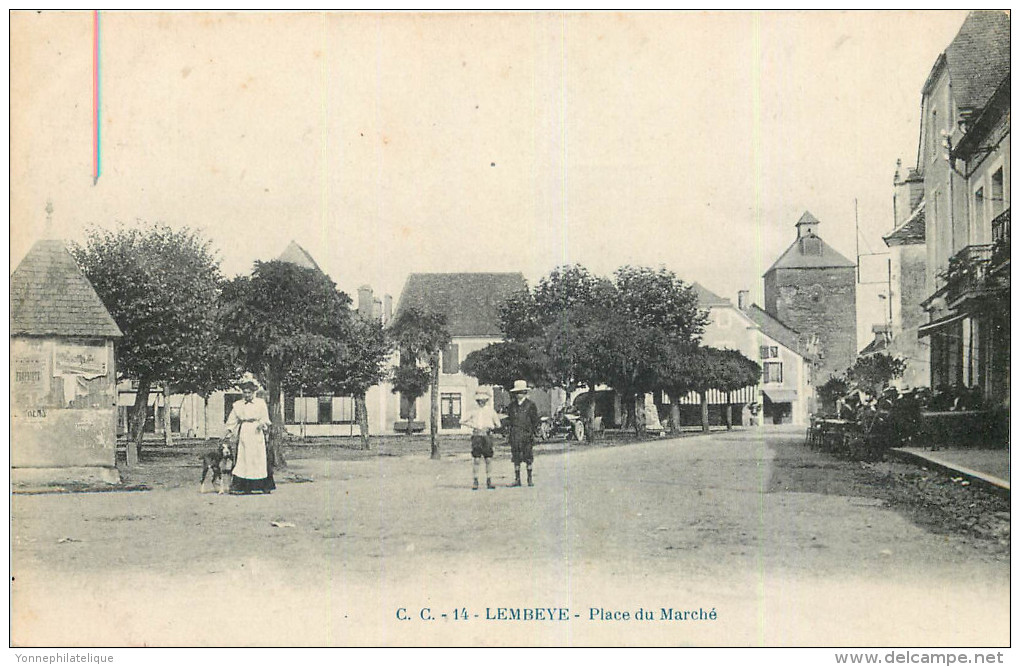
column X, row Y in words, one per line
column 51, row 297
column 295, row 254
column 795, row 258
column 911, row 232
column 978, row 57
column 470, row 301
column 708, row 298
column 773, row 328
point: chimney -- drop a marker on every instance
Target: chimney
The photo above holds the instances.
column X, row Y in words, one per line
column 742, row 297
column 365, row 302
column 376, row 310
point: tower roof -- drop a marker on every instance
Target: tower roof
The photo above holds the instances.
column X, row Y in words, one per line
column 50, row 296
column 809, row 251
column 295, row 254
column 808, row 219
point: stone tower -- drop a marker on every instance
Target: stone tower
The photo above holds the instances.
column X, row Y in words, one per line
column 812, row 289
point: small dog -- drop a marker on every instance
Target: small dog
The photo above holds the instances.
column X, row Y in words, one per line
column 221, row 462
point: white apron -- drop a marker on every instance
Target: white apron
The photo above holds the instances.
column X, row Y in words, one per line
column 246, row 418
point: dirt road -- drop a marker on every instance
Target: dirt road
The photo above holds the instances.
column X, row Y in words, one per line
column 375, row 551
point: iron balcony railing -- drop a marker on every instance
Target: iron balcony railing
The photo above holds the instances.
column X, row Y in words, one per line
column 967, row 271
column 1000, row 239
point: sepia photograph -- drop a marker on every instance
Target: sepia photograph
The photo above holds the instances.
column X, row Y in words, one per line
column 511, row 329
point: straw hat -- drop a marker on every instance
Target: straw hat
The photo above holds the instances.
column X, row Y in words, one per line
column 481, row 395
column 248, row 380
column 519, row 386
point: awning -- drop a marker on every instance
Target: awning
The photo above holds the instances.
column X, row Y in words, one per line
column 933, row 327
column 780, row 395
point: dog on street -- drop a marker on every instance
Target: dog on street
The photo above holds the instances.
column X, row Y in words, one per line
column 220, row 461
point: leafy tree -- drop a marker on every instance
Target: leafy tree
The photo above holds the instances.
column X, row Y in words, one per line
column 653, row 311
column 285, row 322
column 161, row 286
column 360, row 366
column 411, row 382
column 421, row 336
column 502, row 363
column 873, row 373
column 835, row 388
column 737, row 372
column 687, row 368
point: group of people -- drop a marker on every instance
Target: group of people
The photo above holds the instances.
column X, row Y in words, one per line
column 248, row 424
column 522, row 424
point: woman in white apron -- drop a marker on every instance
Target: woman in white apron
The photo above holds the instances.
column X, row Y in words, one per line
column 248, row 425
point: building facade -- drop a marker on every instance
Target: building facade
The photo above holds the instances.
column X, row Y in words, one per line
column 964, row 157
column 471, row 303
column 812, row 289
column 908, row 280
column 784, row 393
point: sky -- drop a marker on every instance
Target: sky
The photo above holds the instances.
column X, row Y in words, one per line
column 393, row 143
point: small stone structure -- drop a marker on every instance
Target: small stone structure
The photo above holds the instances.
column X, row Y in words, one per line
column 63, row 382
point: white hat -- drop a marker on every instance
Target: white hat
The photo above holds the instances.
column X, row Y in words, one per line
column 481, row 395
column 247, row 379
column 519, row 385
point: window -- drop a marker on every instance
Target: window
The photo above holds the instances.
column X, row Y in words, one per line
column 979, row 208
column 997, row 194
column 325, row 409
column 450, row 410
column 769, row 351
column 288, row 410
column 451, row 359
column 773, row 371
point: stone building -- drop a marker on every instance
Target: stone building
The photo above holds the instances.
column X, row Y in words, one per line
column 964, row 159
column 63, row 379
column 812, row 289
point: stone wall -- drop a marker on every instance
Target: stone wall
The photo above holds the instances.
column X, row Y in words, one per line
column 818, row 302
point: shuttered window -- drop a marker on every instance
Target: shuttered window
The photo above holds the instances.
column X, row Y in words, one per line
column 451, row 359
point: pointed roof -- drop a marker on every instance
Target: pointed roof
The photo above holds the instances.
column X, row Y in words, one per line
column 773, row 328
column 470, row 301
column 821, row 256
column 808, row 219
column 50, row 296
column 911, row 232
column 708, row 298
column 977, row 59
column 295, row 254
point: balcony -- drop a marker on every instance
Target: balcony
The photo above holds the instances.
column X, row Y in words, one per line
column 965, row 276
column 1000, row 241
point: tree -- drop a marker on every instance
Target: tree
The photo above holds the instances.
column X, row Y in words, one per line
column 410, row 382
column 161, row 287
column 285, row 322
column 835, row 388
column 361, row 365
column 687, row 368
column 654, row 311
column 873, row 373
column 421, row 336
column 737, row 372
column 559, row 323
column 501, row 363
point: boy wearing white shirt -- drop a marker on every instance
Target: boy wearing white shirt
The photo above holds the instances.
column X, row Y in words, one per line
column 482, row 420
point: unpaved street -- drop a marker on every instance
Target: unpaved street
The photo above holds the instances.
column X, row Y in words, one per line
column 707, row 524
